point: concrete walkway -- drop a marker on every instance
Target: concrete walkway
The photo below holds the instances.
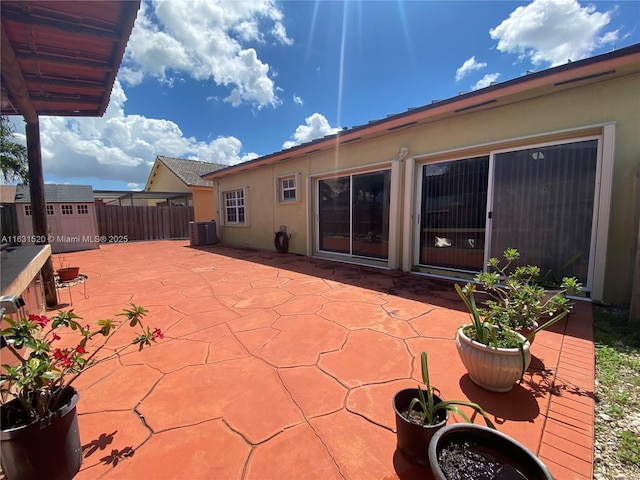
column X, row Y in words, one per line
column 283, row 367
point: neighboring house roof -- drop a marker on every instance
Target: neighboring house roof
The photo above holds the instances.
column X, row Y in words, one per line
column 189, row 171
column 7, row 193
column 58, row 194
column 617, row 63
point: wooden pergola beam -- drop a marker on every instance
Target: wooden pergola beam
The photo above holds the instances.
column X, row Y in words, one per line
column 63, row 25
column 64, row 60
column 17, row 88
column 14, row 81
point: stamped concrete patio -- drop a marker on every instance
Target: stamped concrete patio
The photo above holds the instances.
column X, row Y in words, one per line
column 283, row 367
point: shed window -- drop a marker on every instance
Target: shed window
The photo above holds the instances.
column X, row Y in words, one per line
column 27, row 210
column 67, row 209
column 49, row 209
column 82, row 209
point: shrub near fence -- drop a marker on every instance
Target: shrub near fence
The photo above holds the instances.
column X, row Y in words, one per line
column 143, row 223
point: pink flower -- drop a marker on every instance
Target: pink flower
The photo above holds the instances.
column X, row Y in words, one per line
column 157, row 333
column 39, row 319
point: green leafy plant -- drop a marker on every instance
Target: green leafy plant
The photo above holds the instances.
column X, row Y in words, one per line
column 516, row 297
column 43, row 371
column 430, row 406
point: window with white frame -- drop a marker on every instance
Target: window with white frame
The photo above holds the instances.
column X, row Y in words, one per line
column 67, row 209
column 27, row 210
column 49, row 209
column 82, row 209
column 287, row 188
column 234, row 207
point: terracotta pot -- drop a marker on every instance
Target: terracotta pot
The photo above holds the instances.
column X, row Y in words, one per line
column 68, row 273
column 413, row 439
column 502, row 451
column 49, row 448
column 495, row 369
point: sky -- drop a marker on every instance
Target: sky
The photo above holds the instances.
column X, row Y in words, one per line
column 229, row 81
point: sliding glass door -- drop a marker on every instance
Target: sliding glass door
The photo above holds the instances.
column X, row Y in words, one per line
column 539, row 200
column 543, row 204
column 453, row 214
column 353, row 214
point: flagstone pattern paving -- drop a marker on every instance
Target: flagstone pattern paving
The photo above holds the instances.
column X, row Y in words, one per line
column 278, row 366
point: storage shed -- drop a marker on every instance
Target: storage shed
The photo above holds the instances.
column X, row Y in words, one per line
column 71, row 217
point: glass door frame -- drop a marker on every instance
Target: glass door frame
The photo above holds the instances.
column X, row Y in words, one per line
column 603, row 174
column 392, row 257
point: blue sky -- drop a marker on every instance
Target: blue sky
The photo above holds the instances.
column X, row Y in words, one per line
column 226, row 81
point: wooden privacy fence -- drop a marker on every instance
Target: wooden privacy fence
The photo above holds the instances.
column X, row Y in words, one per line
column 143, row 223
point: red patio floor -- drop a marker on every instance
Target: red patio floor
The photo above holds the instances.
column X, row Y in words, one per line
column 283, row 367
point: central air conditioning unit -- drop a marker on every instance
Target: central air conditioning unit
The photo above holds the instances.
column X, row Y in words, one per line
column 202, row 233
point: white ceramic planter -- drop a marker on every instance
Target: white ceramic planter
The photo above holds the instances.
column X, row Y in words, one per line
column 495, row 369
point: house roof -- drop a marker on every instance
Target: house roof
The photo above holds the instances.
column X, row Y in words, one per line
column 617, row 63
column 7, row 193
column 61, row 58
column 58, row 194
column 189, row 171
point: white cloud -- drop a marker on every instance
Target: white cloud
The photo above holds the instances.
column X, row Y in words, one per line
column 553, row 31
column 467, row 67
column 206, row 40
column 487, row 80
column 297, row 100
column 123, row 147
column 316, row 126
column 134, row 186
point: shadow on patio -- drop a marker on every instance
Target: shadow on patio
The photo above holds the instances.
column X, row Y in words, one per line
column 281, row 366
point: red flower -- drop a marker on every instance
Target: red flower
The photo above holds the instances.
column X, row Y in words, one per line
column 157, row 333
column 39, row 319
column 56, row 337
column 80, row 349
column 58, row 354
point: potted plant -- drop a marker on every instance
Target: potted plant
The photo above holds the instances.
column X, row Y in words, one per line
column 493, row 352
column 39, row 436
column 518, row 298
column 66, row 272
column 474, row 451
column 421, row 412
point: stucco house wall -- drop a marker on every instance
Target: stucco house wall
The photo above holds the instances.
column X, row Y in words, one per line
column 606, row 108
column 179, row 175
column 164, row 180
column 204, row 204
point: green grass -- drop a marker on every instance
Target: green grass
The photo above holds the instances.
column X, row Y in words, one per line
column 618, row 376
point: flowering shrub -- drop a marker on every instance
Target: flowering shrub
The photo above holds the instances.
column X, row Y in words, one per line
column 44, row 370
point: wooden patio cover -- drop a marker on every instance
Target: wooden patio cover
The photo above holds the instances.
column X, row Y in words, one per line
column 61, row 59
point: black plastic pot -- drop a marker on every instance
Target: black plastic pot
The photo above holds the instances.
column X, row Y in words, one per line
column 49, row 448
column 517, row 461
column 413, row 439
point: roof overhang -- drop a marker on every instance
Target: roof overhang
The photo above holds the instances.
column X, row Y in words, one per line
column 139, row 195
column 617, row 63
column 61, row 58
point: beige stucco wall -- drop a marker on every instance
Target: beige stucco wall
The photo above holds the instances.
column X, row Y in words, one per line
column 164, row 180
column 204, row 204
column 539, row 119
